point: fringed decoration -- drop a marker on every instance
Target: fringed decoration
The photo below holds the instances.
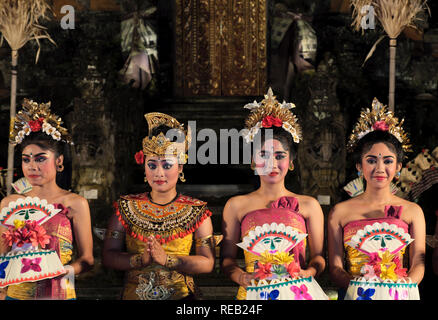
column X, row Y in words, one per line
column 141, row 218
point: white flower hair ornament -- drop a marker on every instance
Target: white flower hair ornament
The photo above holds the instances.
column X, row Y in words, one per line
column 36, row 117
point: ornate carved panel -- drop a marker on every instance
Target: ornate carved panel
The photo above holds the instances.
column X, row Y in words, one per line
column 322, row 153
column 220, row 47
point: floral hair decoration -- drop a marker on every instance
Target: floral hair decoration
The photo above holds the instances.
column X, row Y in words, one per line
column 36, row 117
column 378, row 118
column 270, row 113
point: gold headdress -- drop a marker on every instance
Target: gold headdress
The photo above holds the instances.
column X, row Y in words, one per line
column 378, row 118
column 160, row 145
column 268, row 113
column 36, row 117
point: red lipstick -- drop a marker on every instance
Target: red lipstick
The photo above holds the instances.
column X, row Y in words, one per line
column 273, row 174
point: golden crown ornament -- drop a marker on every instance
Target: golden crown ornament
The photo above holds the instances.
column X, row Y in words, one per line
column 36, row 117
column 160, row 145
column 378, row 118
column 270, row 113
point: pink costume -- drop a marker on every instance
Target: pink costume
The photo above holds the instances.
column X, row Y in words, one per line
column 374, row 252
column 61, row 239
column 284, row 211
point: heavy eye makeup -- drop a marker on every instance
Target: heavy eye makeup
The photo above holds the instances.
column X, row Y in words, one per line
column 152, row 164
column 39, row 158
column 166, row 164
column 279, row 155
column 264, row 154
column 386, row 160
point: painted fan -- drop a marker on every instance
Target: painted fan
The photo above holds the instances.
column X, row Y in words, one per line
column 27, row 261
column 28, row 208
column 22, row 186
column 272, row 238
column 356, row 187
column 380, row 237
column 29, row 266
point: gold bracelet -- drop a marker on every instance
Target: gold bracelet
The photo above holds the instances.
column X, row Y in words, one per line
column 207, row 241
column 172, row 262
column 114, row 234
column 135, row 261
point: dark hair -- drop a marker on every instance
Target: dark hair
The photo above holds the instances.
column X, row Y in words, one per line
column 281, row 135
column 378, row 136
column 46, row 142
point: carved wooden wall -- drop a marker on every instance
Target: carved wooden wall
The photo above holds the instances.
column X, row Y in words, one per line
column 220, row 48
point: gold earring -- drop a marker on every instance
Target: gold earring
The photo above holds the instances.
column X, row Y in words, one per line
column 60, row 168
column 291, row 167
column 145, row 179
column 181, row 177
column 252, row 166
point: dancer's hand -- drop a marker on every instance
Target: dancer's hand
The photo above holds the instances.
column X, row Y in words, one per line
column 146, row 258
column 305, row 273
column 245, row 279
column 157, row 252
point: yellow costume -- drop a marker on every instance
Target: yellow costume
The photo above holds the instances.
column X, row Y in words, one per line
column 173, row 225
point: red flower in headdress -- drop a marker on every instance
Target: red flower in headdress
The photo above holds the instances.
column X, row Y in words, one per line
column 36, row 125
column 139, row 157
column 380, row 125
column 270, row 121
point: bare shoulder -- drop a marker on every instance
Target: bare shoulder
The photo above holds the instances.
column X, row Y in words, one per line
column 342, row 208
column 75, row 201
column 411, row 210
column 308, row 205
column 236, row 203
column 13, row 197
column 307, row 201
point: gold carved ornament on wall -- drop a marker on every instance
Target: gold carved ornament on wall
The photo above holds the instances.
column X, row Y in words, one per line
column 220, row 48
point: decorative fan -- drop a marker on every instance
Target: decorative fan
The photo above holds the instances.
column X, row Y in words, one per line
column 29, row 266
column 28, row 208
column 22, row 186
column 356, row 187
column 272, row 238
column 380, row 237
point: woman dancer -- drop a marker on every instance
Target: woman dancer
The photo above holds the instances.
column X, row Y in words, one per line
column 157, row 228
column 277, row 129
column 43, row 141
column 373, row 229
